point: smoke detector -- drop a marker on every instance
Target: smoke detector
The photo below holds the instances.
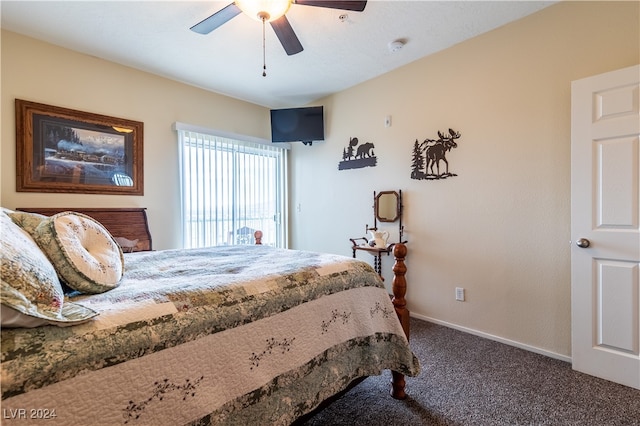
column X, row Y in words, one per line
column 396, row 45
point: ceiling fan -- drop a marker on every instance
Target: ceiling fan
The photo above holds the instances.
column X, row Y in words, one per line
column 272, row 11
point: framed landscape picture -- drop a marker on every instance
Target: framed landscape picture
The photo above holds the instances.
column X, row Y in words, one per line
column 64, row 150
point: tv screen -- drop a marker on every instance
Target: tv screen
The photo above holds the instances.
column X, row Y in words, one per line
column 297, row 124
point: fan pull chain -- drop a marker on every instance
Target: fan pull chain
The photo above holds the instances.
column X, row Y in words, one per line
column 264, row 56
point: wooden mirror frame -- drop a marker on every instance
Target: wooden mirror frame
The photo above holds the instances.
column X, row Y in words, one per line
column 378, row 203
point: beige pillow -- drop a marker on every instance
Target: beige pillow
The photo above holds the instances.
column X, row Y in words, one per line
column 30, row 293
column 83, row 252
column 27, row 221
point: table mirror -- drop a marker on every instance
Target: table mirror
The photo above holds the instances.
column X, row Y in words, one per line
column 387, row 206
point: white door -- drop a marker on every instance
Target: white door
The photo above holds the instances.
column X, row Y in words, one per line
column 605, row 225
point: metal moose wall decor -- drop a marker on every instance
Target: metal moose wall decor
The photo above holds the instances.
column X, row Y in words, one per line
column 356, row 158
column 429, row 154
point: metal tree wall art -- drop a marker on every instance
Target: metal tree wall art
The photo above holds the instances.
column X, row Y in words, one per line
column 356, row 158
column 432, row 154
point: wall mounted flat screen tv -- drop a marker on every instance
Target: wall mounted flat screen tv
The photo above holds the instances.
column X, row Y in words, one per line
column 297, row 125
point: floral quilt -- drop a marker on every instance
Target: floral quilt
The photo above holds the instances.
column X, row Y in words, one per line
column 225, row 335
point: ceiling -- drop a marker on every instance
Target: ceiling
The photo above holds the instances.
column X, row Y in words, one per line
column 154, row 36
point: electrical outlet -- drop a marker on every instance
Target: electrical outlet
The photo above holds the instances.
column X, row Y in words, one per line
column 460, row 294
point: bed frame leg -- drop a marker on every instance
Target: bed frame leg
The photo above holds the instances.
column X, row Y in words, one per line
column 399, row 288
column 397, row 386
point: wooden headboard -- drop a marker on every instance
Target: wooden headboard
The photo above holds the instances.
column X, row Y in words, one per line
column 129, row 223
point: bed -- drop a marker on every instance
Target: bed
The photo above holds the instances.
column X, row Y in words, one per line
column 222, row 335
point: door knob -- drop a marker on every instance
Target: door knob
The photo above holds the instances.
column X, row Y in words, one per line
column 583, row 243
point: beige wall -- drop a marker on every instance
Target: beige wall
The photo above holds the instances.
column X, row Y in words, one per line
column 40, row 72
column 500, row 229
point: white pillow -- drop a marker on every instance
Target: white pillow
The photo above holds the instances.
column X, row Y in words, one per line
column 30, row 293
column 83, row 252
column 127, row 246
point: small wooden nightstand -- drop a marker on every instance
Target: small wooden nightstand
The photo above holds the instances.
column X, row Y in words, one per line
column 376, row 252
column 387, row 207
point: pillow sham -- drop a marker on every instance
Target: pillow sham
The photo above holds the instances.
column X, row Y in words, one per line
column 27, row 221
column 83, row 252
column 30, row 292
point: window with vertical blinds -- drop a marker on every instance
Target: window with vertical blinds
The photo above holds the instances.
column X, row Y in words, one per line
column 231, row 188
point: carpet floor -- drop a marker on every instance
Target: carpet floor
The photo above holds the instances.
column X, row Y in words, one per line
column 470, row 380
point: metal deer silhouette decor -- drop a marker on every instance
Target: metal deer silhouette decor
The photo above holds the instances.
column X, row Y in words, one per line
column 356, row 158
column 432, row 154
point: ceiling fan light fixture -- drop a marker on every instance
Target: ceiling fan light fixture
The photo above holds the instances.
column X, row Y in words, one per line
column 267, row 10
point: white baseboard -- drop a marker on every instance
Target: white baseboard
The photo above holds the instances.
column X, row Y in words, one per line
column 496, row 338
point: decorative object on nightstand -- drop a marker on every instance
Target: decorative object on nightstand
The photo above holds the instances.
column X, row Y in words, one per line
column 387, row 207
column 379, row 238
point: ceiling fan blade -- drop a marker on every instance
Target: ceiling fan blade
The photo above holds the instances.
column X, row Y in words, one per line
column 357, row 6
column 214, row 21
column 286, row 35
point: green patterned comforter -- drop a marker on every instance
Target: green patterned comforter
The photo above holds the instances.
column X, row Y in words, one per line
column 225, row 335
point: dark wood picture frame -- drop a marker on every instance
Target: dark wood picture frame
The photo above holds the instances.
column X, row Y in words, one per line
column 64, row 150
